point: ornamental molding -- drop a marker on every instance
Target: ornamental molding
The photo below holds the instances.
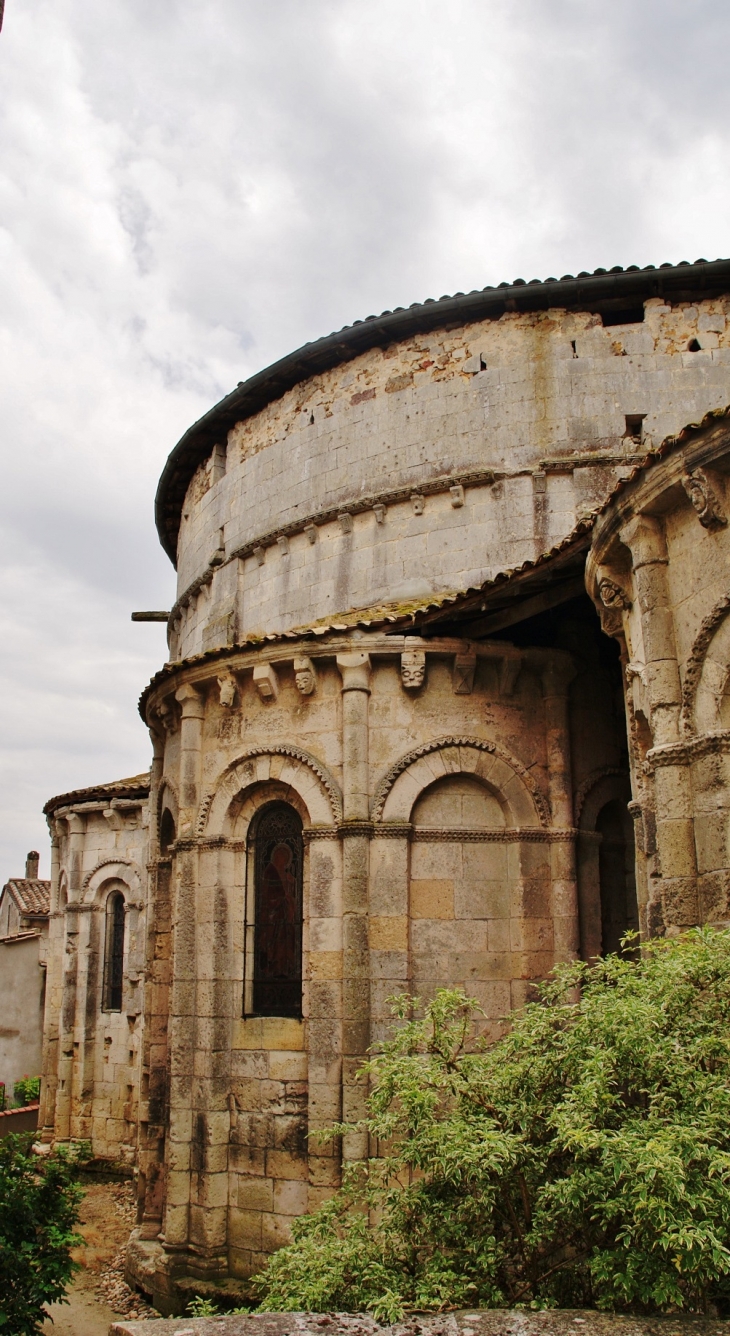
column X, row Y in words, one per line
column 280, row 749
column 693, row 672
column 111, row 862
column 492, row 835
column 479, row 744
column 684, row 753
column 342, row 515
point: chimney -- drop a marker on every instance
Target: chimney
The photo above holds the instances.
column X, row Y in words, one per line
column 31, row 865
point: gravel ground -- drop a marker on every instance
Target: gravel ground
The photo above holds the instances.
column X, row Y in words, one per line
column 99, row 1294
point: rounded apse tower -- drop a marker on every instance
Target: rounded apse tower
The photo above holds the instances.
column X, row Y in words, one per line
column 390, row 742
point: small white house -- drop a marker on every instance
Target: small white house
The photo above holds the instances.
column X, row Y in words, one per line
column 24, row 911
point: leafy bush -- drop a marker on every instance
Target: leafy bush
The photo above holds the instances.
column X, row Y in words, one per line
column 27, row 1091
column 582, row 1160
column 39, row 1200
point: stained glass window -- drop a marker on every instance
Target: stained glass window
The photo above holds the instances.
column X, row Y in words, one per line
column 277, row 929
column 114, row 954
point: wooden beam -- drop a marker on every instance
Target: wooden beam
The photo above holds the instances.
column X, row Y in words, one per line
column 528, row 607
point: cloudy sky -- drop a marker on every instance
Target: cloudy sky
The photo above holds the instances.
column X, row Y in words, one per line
column 190, row 189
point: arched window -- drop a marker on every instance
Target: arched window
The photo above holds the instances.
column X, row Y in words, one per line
column 114, row 952
column 167, row 832
column 274, row 914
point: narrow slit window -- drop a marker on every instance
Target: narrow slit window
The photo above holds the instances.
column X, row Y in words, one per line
column 114, row 954
column 274, row 938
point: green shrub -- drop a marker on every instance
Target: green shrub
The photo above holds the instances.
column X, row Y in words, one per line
column 582, row 1160
column 39, row 1198
column 27, row 1091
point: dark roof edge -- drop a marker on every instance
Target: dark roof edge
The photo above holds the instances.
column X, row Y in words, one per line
column 673, row 282
column 138, row 786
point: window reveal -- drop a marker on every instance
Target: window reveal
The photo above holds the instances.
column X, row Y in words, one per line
column 114, row 962
column 277, row 944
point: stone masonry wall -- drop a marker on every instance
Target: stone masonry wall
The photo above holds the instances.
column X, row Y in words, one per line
column 539, row 401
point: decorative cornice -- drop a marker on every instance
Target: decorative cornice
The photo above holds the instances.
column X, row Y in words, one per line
column 684, row 753
column 439, row 744
column 346, row 829
column 693, row 670
column 492, row 835
column 467, row 478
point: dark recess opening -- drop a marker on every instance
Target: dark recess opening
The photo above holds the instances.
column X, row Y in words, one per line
column 634, row 426
column 626, row 315
column 619, row 913
column 694, row 346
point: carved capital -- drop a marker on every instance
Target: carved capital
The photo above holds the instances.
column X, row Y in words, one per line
column 612, row 595
column 190, row 701
column 355, row 671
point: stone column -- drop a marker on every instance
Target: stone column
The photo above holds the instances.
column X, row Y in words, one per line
column 153, row 1091
column 355, row 672
column 677, row 858
column 54, row 984
column 557, row 675
column 324, row 1011
column 182, row 1126
column 75, row 845
column 191, row 732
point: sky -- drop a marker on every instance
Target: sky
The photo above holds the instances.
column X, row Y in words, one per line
column 190, row 189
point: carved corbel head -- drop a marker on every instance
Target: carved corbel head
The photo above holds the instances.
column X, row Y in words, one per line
column 704, row 499
column 612, row 595
column 167, row 715
column 305, row 676
column 413, row 668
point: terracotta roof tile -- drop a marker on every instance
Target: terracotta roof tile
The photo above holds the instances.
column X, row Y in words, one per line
column 32, row 896
column 138, row 786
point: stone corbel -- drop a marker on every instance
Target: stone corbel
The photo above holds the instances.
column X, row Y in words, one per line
column 266, row 681
column 167, row 715
column 509, row 671
column 305, row 676
column 463, row 674
column 379, row 511
column 113, row 817
column 226, row 690
column 705, row 500
column 418, row 502
column 413, row 669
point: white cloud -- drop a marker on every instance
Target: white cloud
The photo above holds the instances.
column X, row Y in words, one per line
column 190, row 190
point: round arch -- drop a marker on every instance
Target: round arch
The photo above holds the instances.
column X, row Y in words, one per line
column 286, row 767
column 522, row 801
column 96, row 883
column 706, row 674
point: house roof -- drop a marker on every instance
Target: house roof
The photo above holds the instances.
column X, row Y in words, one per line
column 32, row 896
column 603, row 291
column 138, row 786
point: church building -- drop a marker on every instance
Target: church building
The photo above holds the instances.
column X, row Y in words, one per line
column 446, row 702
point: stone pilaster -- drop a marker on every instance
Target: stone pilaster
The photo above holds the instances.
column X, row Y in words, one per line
column 54, row 988
column 184, row 1126
column 355, row 673
column 556, row 678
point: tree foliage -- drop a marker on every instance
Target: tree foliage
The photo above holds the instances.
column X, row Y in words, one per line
column 39, row 1199
column 581, row 1160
